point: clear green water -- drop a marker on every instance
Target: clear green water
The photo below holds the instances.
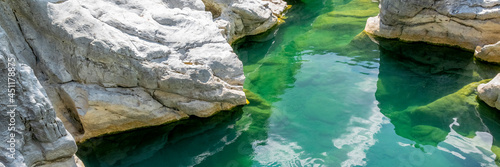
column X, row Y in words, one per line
column 323, row 94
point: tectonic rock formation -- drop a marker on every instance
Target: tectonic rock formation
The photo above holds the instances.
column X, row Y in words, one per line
column 469, row 24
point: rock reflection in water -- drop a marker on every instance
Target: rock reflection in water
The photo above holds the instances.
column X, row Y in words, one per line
column 127, row 149
column 429, row 93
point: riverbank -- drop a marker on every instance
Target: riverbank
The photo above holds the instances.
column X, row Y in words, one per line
column 339, row 102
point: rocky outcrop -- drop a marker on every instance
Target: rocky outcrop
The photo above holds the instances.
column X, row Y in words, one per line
column 489, row 92
column 31, row 134
column 464, row 23
column 103, row 66
column 110, row 66
column 489, row 52
column 237, row 19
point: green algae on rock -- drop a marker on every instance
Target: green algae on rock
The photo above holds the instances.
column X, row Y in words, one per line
column 429, row 124
column 422, row 88
column 463, row 106
column 461, row 113
column 337, row 28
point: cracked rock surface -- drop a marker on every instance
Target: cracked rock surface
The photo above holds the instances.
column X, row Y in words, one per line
column 31, row 134
column 96, row 67
column 110, row 66
column 239, row 18
column 469, row 24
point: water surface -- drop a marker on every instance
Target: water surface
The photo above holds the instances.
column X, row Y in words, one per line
column 324, row 94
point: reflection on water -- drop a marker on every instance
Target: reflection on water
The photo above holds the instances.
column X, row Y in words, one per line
column 429, row 94
column 132, row 148
column 423, row 72
column 361, row 138
column 323, row 94
column 191, row 142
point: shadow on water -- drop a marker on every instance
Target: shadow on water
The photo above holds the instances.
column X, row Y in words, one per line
column 418, row 73
column 188, row 142
column 429, row 93
column 129, row 148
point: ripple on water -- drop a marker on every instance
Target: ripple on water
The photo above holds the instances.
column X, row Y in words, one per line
column 323, row 94
column 361, row 138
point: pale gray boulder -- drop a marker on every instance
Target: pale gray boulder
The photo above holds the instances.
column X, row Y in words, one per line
column 490, row 92
column 489, row 52
column 31, row 134
column 239, row 18
column 470, row 24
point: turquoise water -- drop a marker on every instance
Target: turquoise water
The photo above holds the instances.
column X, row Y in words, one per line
column 323, row 94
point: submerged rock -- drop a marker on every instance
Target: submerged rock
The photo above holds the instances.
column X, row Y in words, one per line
column 429, row 94
column 464, row 23
column 429, row 124
column 455, row 118
column 336, row 29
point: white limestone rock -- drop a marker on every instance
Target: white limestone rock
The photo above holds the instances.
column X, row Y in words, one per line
column 31, row 133
column 490, row 53
column 107, row 110
column 463, row 23
column 240, row 18
column 106, row 66
column 490, row 92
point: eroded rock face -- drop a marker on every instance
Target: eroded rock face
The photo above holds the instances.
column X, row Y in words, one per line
column 240, row 18
column 106, row 66
column 463, row 23
column 109, row 66
column 489, row 92
column 31, row 134
column 117, row 65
